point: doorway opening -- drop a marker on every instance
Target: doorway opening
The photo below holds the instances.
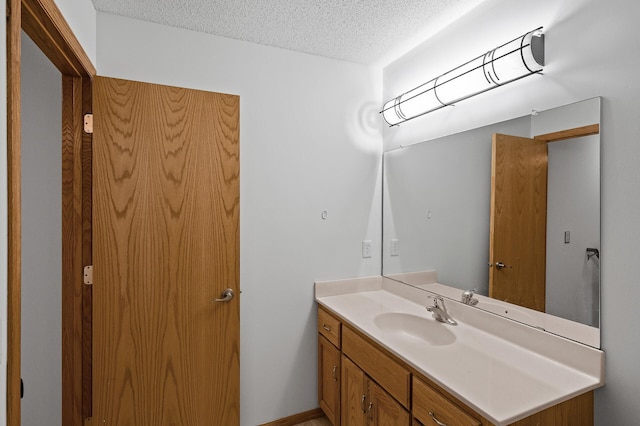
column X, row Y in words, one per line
column 44, row 24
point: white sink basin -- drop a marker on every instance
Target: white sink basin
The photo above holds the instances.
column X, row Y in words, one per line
column 415, row 328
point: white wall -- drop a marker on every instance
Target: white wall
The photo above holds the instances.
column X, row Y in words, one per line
column 310, row 141
column 449, row 177
column 41, row 327
column 573, row 204
column 81, row 17
column 588, row 45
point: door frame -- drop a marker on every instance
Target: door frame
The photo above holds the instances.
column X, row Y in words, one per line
column 45, row 24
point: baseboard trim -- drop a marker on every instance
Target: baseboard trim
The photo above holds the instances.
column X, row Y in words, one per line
column 296, row 418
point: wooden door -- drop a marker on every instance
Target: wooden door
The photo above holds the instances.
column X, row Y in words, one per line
column 353, row 394
column 329, row 379
column 518, row 221
column 383, row 410
column 165, row 243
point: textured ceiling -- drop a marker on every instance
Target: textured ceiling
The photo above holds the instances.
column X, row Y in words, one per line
column 362, row 31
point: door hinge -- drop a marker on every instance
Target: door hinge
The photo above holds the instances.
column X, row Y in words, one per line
column 88, row 123
column 88, row 275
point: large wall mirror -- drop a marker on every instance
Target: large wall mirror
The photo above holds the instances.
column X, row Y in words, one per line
column 511, row 210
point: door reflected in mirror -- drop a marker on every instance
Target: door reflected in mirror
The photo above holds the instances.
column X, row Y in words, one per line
column 511, row 209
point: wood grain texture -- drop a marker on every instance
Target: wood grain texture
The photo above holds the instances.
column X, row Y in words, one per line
column 518, row 221
column 14, row 213
column 329, row 379
column 577, row 132
column 352, row 394
column 382, row 409
column 329, row 326
column 427, row 400
column 577, row 411
column 165, row 243
column 86, row 310
column 302, row 419
column 44, row 23
column 392, row 375
column 72, row 280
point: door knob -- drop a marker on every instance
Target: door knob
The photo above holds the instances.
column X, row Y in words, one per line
column 227, row 295
column 500, row 265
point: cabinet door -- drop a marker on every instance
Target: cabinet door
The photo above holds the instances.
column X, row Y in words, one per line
column 383, row 410
column 329, row 380
column 353, row 394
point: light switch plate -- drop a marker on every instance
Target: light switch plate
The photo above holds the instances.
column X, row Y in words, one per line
column 366, row 249
column 395, row 247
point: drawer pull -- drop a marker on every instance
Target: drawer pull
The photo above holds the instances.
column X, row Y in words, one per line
column 326, row 327
column 435, row 420
column 364, row 398
column 370, row 413
column 335, row 376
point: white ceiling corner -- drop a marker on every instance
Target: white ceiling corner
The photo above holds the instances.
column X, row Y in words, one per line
column 362, row 31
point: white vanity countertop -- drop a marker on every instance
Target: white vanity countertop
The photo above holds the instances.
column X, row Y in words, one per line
column 504, row 370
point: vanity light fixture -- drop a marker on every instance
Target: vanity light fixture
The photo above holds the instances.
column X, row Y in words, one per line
column 516, row 59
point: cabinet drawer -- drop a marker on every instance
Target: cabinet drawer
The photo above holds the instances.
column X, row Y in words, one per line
column 429, row 403
column 329, row 326
column 391, row 375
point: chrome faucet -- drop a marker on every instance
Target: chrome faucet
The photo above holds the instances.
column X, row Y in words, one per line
column 439, row 311
column 468, row 299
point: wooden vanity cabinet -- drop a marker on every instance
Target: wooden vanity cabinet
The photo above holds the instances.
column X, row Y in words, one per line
column 378, row 364
column 446, row 409
column 364, row 402
column 430, row 407
column 382, row 409
column 354, row 394
column 329, row 379
column 375, row 386
column 362, row 384
column 329, row 370
column 330, row 327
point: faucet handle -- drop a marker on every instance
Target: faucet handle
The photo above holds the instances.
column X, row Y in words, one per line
column 439, row 310
column 467, row 297
column 438, row 301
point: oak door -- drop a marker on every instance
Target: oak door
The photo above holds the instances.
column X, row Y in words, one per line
column 165, row 243
column 517, row 249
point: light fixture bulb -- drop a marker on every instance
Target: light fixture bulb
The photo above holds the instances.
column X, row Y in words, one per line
column 509, row 62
